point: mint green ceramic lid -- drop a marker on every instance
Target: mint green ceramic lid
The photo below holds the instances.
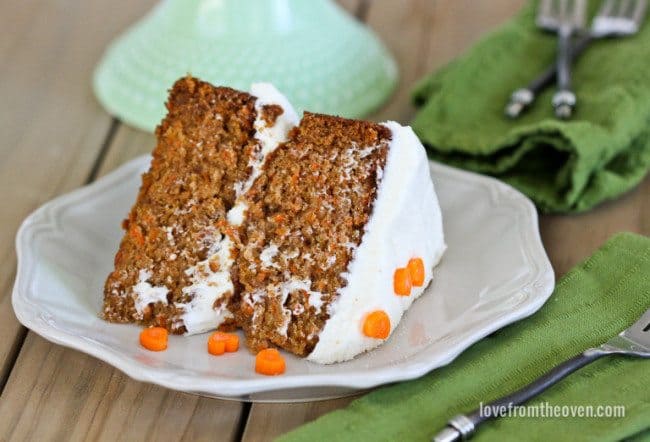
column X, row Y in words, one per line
column 320, row 57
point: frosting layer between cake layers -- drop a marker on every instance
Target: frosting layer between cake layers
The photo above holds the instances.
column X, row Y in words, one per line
column 202, row 314
column 406, row 223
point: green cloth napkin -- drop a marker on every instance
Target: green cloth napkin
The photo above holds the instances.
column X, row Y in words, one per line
column 592, row 303
column 562, row 166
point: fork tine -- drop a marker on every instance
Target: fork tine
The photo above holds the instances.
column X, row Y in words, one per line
column 580, row 11
column 544, row 9
column 606, row 8
column 639, row 11
column 559, row 7
column 547, row 14
column 571, row 12
column 623, row 8
column 543, row 12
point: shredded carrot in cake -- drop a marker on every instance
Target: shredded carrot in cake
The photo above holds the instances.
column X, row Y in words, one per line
column 154, row 338
column 181, row 210
column 402, row 282
column 269, row 362
column 377, row 325
column 135, row 232
column 220, row 342
column 416, row 270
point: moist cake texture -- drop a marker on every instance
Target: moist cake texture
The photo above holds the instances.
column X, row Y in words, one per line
column 405, row 226
column 173, row 266
column 298, row 233
column 306, row 215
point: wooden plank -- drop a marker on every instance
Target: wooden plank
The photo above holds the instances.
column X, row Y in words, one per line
column 458, row 24
column 268, row 421
column 52, row 128
column 405, row 28
column 55, row 393
column 569, row 239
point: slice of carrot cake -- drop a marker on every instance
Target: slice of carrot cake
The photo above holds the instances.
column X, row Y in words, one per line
column 314, row 238
column 174, row 264
column 342, row 231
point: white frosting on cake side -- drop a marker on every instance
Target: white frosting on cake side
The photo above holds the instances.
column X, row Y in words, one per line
column 286, row 288
column 405, row 223
column 271, row 136
column 146, row 293
column 209, row 286
column 268, row 136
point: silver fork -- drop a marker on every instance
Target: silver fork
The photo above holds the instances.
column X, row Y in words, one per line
column 634, row 341
column 615, row 18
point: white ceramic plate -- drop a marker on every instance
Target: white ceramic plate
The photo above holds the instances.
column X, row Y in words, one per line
column 495, row 271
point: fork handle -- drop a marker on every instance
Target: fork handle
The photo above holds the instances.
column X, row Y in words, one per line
column 462, row 426
column 564, row 100
column 523, row 98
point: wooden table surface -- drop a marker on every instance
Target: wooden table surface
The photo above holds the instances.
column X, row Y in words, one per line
column 55, row 137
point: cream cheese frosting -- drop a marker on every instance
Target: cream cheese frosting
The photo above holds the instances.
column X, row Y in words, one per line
column 146, row 294
column 208, row 286
column 405, row 223
column 269, row 137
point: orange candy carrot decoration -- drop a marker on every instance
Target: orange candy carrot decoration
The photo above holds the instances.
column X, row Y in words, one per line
column 402, row 282
column 377, row 325
column 219, row 343
column 269, row 362
column 154, row 338
column 416, row 269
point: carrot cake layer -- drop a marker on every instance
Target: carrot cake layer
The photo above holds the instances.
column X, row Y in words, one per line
column 336, row 211
column 173, row 266
column 306, row 216
column 402, row 242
